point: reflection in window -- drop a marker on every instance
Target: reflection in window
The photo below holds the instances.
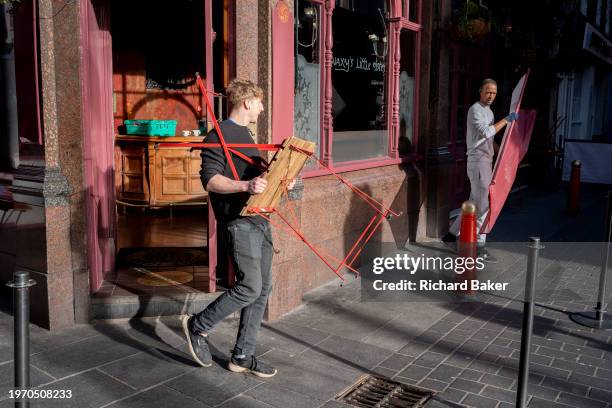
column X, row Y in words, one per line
column 307, row 75
column 359, row 80
column 406, row 91
column 170, row 38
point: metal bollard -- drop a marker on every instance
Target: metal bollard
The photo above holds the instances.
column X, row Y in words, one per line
column 21, row 301
column 528, row 307
column 599, row 319
column 573, row 193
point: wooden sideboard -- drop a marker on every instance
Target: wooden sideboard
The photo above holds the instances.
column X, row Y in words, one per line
column 150, row 175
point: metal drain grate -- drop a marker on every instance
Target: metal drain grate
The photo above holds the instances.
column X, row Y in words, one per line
column 377, row 392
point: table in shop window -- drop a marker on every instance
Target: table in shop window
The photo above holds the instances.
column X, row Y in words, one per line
column 152, row 176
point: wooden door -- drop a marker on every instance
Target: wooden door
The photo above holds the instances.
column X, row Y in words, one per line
column 98, row 144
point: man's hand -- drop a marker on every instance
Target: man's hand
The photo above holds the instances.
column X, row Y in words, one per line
column 291, row 184
column 257, row 185
column 512, row 117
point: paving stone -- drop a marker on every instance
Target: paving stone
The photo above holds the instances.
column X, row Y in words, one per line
column 485, row 335
column 596, row 362
column 549, row 371
column 542, row 403
column 383, row 372
column 414, row 372
column 282, row 398
column 499, row 394
column 460, row 359
column 433, row 385
column 158, row 397
column 316, row 378
column 356, row 322
column 243, row 401
column 451, row 394
column 445, row 373
column 582, row 350
column 7, row 378
column 213, row 385
column 443, row 326
column 289, row 337
column 467, row 385
column 414, row 348
column 563, row 385
column 600, row 395
column 576, row 401
column 603, row 373
column 575, row 367
column 542, row 341
column 149, row 368
column 89, row 353
column 469, row 374
column 496, row 380
column 343, row 351
column 591, row 381
column 430, row 359
column 396, row 362
column 545, row 351
column 473, row 346
column 497, row 350
column 90, row 389
column 484, row 365
column 336, row 404
column 478, row 401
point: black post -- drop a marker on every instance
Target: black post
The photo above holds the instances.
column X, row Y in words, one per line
column 21, row 301
column 604, row 261
column 599, row 319
column 532, row 269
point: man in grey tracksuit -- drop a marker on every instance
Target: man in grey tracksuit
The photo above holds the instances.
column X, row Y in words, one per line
column 480, row 129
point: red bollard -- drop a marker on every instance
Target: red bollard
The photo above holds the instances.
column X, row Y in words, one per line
column 467, row 234
column 467, row 241
column 573, row 194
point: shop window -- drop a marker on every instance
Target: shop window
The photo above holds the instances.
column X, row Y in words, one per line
column 359, row 74
column 407, row 88
column 307, row 108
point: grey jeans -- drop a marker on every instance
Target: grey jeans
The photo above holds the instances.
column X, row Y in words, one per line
column 250, row 247
column 480, row 175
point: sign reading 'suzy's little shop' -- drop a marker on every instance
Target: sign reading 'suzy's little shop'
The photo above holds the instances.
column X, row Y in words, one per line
column 355, row 64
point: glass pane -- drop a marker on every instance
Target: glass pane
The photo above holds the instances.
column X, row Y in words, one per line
column 406, row 91
column 307, row 123
column 413, row 9
column 359, row 80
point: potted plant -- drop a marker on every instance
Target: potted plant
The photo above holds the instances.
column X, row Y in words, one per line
column 470, row 23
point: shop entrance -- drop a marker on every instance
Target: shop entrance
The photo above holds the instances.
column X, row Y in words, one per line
column 142, row 59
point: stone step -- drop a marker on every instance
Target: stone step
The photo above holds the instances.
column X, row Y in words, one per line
column 147, row 305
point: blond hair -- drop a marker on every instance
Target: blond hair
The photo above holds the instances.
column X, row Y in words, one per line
column 240, row 90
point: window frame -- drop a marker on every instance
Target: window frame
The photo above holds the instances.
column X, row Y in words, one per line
column 396, row 23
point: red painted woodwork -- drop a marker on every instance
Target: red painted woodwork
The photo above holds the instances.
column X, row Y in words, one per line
column 212, row 221
column 26, row 73
column 98, row 139
column 282, row 72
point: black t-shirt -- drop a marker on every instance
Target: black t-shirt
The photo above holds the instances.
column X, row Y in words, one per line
column 227, row 207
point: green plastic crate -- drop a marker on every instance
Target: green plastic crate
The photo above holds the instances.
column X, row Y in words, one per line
column 150, row 127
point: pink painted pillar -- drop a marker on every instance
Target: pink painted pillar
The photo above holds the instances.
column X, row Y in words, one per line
column 326, row 148
column 393, row 85
column 282, row 72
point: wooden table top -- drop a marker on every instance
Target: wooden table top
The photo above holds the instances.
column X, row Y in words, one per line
column 158, row 139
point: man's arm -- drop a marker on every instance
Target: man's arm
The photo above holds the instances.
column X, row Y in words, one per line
column 482, row 126
column 224, row 185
